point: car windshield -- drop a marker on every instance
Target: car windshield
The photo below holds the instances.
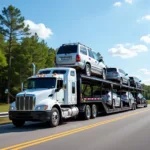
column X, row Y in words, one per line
column 67, row 49
column 41, row 83
column 111, row 69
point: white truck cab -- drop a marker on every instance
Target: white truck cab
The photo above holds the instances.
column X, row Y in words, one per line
column 48, row 97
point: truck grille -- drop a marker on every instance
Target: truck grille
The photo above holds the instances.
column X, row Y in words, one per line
column 25, row 103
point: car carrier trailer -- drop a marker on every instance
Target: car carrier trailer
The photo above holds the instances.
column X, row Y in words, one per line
column 64, row 93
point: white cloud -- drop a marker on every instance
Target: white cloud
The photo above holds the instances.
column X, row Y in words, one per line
column 42, row 31
column 117, row 4
column 129, row 1
column 147, row 18
column 125, row 51
column 145, row 71
column 146, row 38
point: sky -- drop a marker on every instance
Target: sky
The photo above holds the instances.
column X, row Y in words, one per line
column 118, row 29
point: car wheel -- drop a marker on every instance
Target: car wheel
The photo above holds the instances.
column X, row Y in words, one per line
column 54, row 118
column 129, row 103
column 121, row 81
column 18, row 123
column 128, row 83
column 88, row 69
column 94, row 111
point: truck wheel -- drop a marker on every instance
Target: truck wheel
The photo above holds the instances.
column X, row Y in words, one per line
column 121, row 104
column 87, row 112
column 94, row 111
column 54, row 118
column 18, row 123
column 113, row 104
column 88, row 69
column 145, row 105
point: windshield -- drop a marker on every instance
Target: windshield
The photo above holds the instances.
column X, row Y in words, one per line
column 67, row 49
column 111, row 69
column 41, row 83
column 45, row 72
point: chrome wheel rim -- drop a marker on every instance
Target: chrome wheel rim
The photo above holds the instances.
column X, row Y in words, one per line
column 88, row 113
column 55, row 117
column 94, row 111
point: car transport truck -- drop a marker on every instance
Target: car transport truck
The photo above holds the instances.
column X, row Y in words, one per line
column 55, row 94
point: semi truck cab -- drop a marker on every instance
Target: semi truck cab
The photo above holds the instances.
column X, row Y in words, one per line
column 49, row 97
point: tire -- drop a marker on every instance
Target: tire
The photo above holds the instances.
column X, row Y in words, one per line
column 121, row 104
column 88, row 69
column 129, row 103
column 54, row 117
column 94, row 111
column 145, row 105
column 104, row 74
column 133, row 106
column 128, row 83
column 121, row 81
column 18, row 123
column 87, row 112
column 113, row 104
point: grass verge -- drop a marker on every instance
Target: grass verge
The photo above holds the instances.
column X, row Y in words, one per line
column 148, row 101
column 4, row 120
column 4, row 107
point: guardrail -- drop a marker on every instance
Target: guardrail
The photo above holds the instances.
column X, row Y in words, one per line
column 3, row 114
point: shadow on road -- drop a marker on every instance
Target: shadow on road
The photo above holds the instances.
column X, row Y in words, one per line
column 33, row 126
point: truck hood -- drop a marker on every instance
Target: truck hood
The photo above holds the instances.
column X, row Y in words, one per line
column 40, row 94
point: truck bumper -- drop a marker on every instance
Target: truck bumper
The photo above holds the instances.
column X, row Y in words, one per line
column 30, row 115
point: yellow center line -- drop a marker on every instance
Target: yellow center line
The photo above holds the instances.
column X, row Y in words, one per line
column 66, row 133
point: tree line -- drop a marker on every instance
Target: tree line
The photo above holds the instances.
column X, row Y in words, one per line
column 18, row 50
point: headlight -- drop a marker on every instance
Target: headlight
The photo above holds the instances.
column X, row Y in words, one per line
column 12, row 108
column 41, row 107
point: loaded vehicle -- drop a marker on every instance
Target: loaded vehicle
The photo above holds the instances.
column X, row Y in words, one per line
column 63, row 93
column 81, row 57
column 116, row 74
column 140, row 100
column 110, row 98
column 127, row 97
column 135, row 82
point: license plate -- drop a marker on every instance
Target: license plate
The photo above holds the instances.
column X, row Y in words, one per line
column 66, row 58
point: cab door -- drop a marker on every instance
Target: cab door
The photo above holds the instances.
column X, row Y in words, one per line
column 60, row 92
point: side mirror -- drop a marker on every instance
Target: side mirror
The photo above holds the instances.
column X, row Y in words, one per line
column 57, row 90
column 140, row 81
column 126, row 74
column 6, row 91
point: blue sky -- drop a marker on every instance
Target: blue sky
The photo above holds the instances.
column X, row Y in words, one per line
column 118, row 29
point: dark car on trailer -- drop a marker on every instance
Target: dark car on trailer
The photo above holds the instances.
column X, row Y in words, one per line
column 135, row 82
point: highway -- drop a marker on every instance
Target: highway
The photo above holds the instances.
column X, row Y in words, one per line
column 128, row 130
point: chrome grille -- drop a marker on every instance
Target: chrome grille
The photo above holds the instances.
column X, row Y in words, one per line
column 25, row 103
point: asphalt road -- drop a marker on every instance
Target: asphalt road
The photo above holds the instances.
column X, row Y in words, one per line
column 122, row 131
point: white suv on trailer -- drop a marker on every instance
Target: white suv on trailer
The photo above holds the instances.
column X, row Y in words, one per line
column 79, row 56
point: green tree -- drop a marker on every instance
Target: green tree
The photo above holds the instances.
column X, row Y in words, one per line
column 12, row 27
column 3, row 62
column 50, row 61
column 30, row 50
